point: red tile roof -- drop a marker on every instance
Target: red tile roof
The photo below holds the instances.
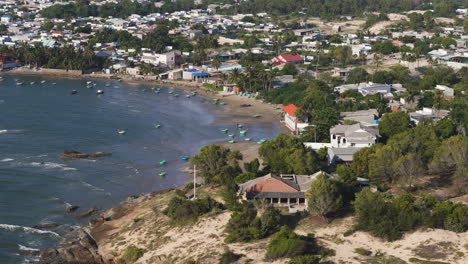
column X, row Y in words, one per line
column 292, row 58
column 272, row 185
column 290, row 109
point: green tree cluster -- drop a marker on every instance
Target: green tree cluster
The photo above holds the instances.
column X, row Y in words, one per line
column 217, row 164
column 287, row 244
column 389, row 217
column 181, row 210
column 287, row 154
column 244, row 224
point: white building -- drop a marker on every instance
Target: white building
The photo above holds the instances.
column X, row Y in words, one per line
column 295, row 124
column 169, row 59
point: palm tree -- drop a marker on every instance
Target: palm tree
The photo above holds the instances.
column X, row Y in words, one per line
column 216, row 62
column 234, row 76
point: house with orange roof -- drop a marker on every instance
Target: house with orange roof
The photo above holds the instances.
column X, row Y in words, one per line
column 286, row 190
column 293, row 122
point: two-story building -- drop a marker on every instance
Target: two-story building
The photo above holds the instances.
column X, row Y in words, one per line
column 293, row 122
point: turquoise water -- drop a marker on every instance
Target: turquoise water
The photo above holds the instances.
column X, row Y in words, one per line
column 38, row 121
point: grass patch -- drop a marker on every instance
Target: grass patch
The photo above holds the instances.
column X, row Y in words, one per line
column 229, row 257
column 433, row 251
column 421, row 261
column 131, row 255
column 362, row 251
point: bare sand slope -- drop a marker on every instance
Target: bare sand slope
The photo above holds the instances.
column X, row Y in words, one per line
column 434, row 244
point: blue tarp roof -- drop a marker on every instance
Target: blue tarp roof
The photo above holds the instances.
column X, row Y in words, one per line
column 201, row 74
column 191, row 70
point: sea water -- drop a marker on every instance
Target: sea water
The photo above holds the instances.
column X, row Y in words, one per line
column 38, row 121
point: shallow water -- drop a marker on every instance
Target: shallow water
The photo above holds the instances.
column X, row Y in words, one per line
column 38, row 121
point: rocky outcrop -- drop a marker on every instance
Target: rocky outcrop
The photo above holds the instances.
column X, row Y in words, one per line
column 73, row 154
column 87, row 213
column 72, row 208
column 46, row 226
column 82, row 250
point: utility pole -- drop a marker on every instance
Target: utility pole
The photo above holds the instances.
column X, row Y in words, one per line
column 194, row 181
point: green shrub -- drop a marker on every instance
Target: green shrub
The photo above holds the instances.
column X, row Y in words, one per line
column 131, row 255
column 181, row 209
column 363, row 251
column 305, row 259
column 348, row 233
column 229, row 257
column 212, row 87
column 421, row 261
column 286, row 243
column 245, row 226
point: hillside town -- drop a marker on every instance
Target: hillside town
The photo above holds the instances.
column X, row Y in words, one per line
column 373, row 107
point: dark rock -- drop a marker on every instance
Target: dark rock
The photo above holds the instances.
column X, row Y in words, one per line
column 73, row 154
column 87, row 213
column 72, row 208
column 82, row 250
column 46, row 226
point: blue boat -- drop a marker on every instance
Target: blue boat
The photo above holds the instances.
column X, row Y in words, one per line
column 185, row 158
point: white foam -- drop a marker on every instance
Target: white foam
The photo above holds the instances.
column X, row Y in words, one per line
column 52, row 165
column 26, row 229
column 6, row 160
column 92, row 187
column 25, row 248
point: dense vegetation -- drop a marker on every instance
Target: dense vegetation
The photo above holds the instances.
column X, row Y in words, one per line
column 131, row 254
column 389, row 217
column 245, row 225
column 83, row 8
column 180, row 209
column 66, row 57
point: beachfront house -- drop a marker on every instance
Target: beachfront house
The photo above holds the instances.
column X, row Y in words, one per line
column 287, row 190
column 295, row 123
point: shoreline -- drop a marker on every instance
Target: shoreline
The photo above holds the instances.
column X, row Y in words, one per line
column 229, row 113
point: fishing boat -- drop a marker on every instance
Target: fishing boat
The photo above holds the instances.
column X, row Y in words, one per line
column 243, row 132
column 246, row 139
column 99, row 92
column 214, row 103
column 119, row 80
column 256, row 116
column 261, row 141
column 121, row 132
column 231, row 135
column 89, row 86
column 19, row 83
column 153, row 88
column 157, row 126
column 156, row 92
column 185, row 158
column 176, row 95
column 193, row 94
column 73, row 92
column 32, row 83
column 222, row 103
column 43, row 81
column 89, row 82
column 107, row 84
column 162, row 174
column 188, row 95
column 277, row 108
column 224, row 130
column 240, row 126
column 54, row 83
column 162, row 162
column 232, row 141
column 171, row 92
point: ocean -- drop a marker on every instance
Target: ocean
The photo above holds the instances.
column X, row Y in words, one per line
column 38, row 121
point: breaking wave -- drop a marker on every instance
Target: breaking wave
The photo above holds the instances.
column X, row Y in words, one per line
column 27, row 229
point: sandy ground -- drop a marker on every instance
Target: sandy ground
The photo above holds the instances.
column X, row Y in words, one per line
column 351, row 26
column 433, row 244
